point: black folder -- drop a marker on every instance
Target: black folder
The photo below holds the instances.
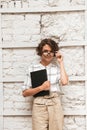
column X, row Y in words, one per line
column 37, row 78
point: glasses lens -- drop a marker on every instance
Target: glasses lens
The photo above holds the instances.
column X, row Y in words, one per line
column 47, row 53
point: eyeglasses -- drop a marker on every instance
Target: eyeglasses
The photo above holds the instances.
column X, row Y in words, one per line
column 47, row 53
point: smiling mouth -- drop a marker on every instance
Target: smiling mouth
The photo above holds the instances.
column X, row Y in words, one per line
column 48, row 57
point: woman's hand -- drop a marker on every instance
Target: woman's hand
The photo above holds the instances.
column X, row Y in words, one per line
column 45, row 86
column 63, row 75
column 59, row 57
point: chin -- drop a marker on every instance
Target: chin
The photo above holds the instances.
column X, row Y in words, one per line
column 49, row 60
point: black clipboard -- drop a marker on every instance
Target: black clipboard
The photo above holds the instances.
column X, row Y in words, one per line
column 37, row 78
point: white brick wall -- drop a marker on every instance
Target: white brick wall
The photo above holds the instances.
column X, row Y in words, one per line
column 23, row 23
column 14, row 102
column 75, row 123
column 17, row 123
column 39, row 3
column 74, row 60
column 74, row 97
column 20, row 28
column 64, row 25
column 16, row 61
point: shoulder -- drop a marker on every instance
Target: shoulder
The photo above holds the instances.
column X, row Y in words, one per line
column 33, row 66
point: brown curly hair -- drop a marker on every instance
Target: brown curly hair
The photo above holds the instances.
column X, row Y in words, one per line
column 54, row 46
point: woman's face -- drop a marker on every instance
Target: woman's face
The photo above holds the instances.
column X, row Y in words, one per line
column 47, row 54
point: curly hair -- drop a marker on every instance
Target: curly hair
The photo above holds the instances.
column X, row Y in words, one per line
column 54, row 46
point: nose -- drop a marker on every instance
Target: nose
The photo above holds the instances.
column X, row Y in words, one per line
column 49, row 54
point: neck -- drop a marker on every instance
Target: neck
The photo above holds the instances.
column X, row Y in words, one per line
column 44, row 63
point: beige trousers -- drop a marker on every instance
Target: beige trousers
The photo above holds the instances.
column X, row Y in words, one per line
column 47, row 113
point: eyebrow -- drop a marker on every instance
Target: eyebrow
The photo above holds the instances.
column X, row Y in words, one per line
column 47, row 50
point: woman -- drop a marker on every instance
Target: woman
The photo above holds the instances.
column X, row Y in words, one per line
column 47, row 110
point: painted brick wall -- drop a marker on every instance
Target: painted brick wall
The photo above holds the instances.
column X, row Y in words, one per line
column 29, row 29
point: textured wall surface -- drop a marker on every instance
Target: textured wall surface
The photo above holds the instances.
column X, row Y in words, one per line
column 40, row 3
column 27, row 29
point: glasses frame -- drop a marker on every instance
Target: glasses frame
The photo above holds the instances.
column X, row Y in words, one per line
column 47, row 53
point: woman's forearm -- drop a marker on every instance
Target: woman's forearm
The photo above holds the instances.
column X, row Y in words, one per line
column 63, row 75
column 31, row 91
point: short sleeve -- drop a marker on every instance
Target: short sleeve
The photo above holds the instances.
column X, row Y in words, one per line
column 27, row 80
